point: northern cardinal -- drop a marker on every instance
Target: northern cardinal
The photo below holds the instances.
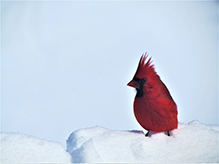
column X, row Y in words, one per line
column 154, row 107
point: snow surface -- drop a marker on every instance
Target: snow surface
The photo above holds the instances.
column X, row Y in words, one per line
column 193, row 142
column 20, row 148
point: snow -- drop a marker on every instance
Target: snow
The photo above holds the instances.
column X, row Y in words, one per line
column 20, row 148
column 193, row 142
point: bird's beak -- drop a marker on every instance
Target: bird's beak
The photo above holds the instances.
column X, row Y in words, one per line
column 133, row 84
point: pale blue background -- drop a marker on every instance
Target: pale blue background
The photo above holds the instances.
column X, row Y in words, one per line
column 65, row 65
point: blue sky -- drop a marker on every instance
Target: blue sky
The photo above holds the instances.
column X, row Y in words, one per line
column 65, row 65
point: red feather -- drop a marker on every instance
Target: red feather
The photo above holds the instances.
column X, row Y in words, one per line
column 154, row 107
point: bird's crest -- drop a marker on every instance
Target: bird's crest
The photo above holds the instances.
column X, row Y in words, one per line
column 145, row 68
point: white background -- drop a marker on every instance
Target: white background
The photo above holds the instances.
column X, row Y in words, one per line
column 65, row 65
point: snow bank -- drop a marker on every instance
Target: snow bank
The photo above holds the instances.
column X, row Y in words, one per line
column 20, row 148
column 193, row 142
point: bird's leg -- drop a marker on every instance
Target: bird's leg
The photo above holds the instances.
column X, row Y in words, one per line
column 146, row 135
column 168, row 133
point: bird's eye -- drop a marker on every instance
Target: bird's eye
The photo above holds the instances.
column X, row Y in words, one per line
column 136, row 79
column 141, row 81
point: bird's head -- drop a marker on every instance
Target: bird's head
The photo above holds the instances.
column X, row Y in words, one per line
column 145, row 77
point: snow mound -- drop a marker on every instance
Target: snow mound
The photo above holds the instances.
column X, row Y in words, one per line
column 20, row 148
column 193, row 142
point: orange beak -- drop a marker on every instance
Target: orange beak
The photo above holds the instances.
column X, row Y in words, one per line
column 133, row 84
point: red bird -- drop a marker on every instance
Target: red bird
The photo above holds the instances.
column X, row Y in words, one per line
column 154, row 107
